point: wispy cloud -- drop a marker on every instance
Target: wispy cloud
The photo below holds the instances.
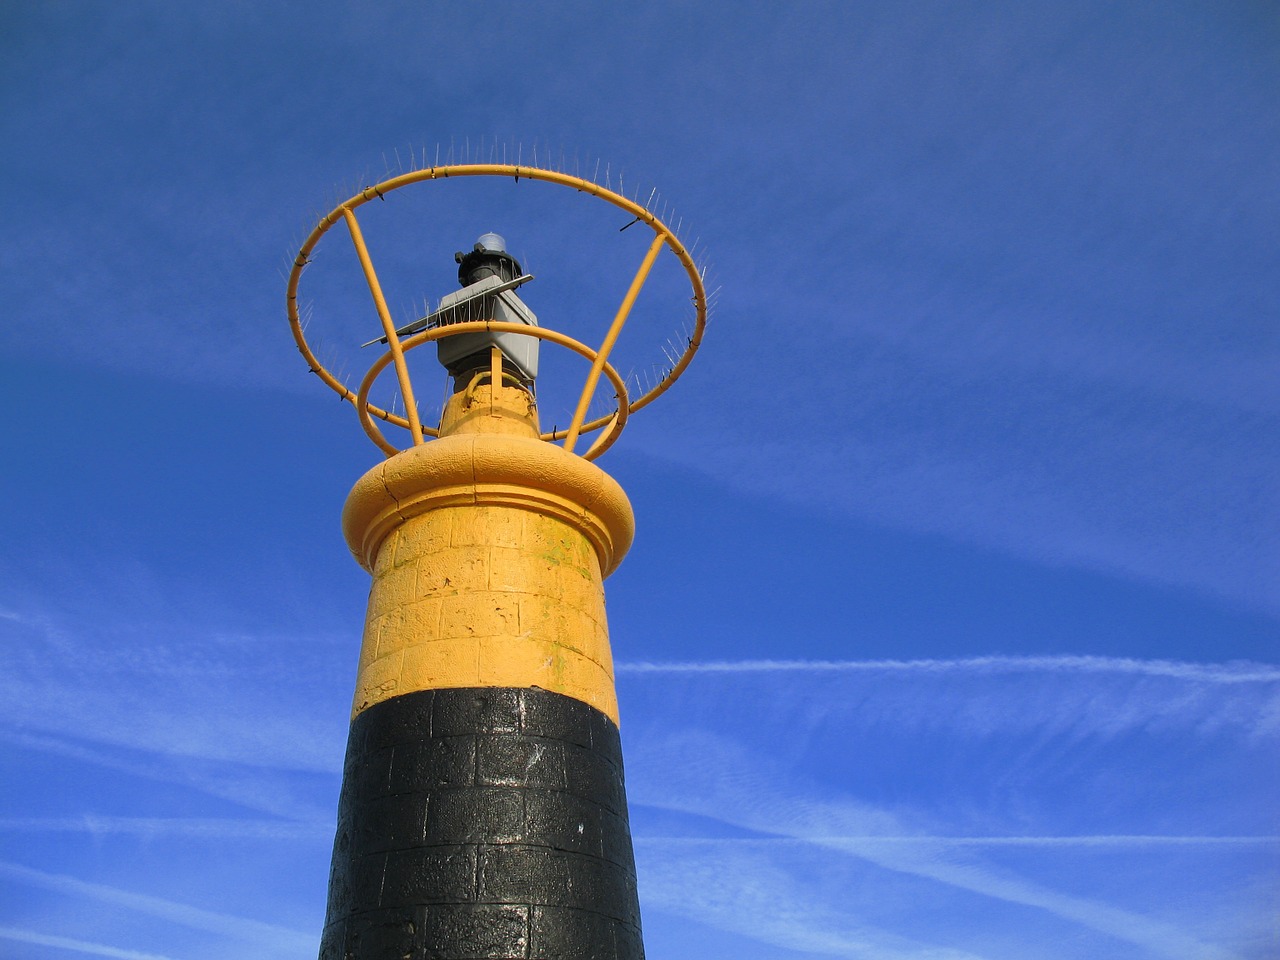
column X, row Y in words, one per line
column 186, row 694
column 940, row 862
column 1058, row 470
column 1080, row 697
column 837, row 903
column 971, row 777
column 79, row 946
column 1007, row 731
column 740, row 887
column 928, row 840
column 1209, row 673
column 746, row 791
column 252, row 786
column 153, row 827
column 267, row 935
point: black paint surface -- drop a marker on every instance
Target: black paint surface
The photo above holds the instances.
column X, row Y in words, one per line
column 482, row 823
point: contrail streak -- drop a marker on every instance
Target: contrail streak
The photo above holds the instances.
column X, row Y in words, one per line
column 1207, row 673
column 253, row 931
column 225, row 828
column 1087, row 840
column 80, row 946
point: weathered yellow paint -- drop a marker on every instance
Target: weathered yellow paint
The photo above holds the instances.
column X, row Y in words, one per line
column 488, row 549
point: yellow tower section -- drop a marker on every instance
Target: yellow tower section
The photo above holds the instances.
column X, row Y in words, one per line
column 488, row 549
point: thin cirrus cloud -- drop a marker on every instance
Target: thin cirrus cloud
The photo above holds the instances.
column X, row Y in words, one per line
column 155, row 828
column 727, row 882
column 238, row 928
column 1077, row 695
column 759, row 890
column 1064, row 796
column 1020, row 788
column 1060, row 469
column 801, row 870
column 193, row 693
column 36, row 938
column 274, row 790
column 739, row 793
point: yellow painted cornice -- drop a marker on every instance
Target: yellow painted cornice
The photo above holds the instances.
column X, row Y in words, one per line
column 489, row 469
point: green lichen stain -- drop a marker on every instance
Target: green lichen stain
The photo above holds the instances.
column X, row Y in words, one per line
column 557, row 552
column 562, row 553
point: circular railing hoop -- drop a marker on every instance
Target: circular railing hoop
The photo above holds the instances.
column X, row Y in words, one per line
column 641, row 214
column 367, row 411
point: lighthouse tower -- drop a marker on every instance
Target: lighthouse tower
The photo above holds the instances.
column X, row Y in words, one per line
column 483, row 811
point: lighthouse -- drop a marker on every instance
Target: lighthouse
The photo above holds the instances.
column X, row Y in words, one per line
column 483, row 807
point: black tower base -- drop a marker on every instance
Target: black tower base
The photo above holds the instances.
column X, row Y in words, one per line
column 482, row 823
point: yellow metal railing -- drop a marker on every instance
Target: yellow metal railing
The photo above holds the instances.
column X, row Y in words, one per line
column 612, row 422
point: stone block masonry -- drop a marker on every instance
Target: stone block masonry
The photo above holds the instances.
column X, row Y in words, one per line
column 483, row 823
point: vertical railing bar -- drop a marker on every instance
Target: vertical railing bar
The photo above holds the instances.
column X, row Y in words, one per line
column 388, row 327
column 571, row 438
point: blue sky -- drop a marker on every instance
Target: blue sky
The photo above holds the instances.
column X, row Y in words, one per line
column 950, row 631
